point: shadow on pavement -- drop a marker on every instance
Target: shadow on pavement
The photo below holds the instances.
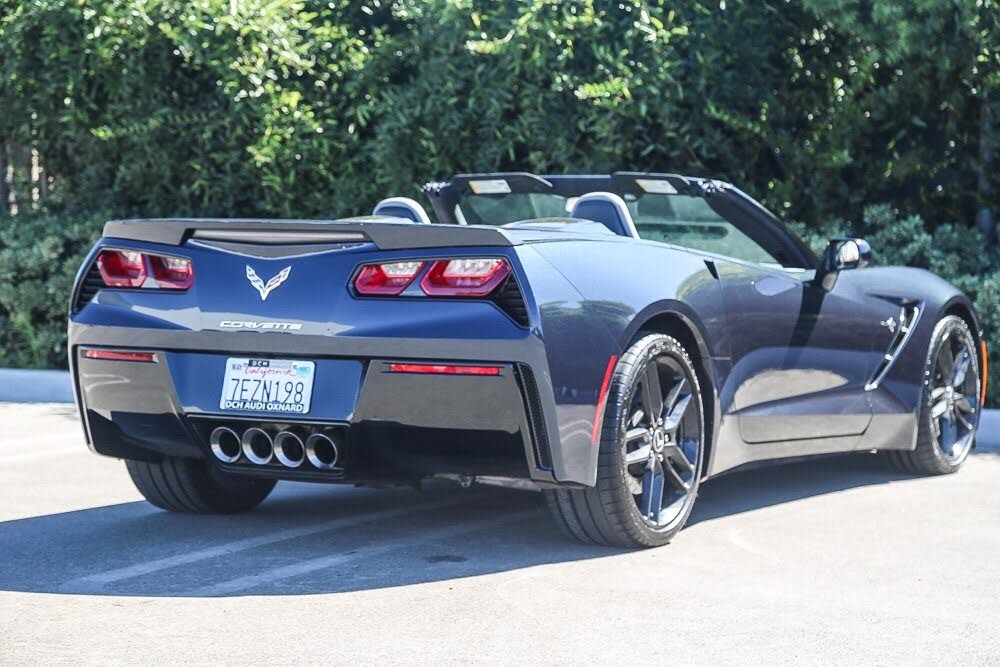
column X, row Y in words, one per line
column 309, row 539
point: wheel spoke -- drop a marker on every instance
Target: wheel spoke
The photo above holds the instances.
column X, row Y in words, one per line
column 652, row 394
column 634, row 434
column 939, row 409
column 637, row 417
column 961, row 368
column 961, row 419
column 639, row 455
column 673, row 420
column 674, row 395
column 675, row 480
column 652, row 491
column 937, row 393
column 963, row 405
column 677, row 455
column 948, row 436
column 946, row 360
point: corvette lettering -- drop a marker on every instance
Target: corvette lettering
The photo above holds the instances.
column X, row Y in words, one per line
column 259, row 326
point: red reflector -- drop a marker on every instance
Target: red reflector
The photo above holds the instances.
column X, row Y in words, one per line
column 120, row 355
column 602, row 399
column 441, row 369
column 172, row 272
column 122, row 268
column 474, row 277
column 388, row 279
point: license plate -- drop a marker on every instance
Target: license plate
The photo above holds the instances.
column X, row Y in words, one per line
column 267, row 385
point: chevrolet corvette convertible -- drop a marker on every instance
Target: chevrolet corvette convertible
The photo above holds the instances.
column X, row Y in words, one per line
column 613, row 341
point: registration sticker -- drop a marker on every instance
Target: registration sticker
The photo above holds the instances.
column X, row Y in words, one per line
column 267, row 385
column 492, row 186
column 655, row 186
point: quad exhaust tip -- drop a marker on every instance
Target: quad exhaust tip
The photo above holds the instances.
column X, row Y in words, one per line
column 226, row 445
column 322, row 451
column 289, row 449
column 257, row 446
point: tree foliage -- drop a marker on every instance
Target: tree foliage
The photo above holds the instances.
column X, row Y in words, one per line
column 296, row 107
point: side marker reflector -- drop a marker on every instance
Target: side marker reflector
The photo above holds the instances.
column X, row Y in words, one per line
column 602, row 399
column 441, row 369
column 986, row 373
column 120, row 355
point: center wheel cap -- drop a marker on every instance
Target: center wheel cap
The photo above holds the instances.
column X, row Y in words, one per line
column 659, row 440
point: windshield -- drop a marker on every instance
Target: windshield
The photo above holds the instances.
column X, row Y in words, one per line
column 682, row 220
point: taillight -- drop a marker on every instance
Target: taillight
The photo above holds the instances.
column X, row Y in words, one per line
column 171, row 272
column 387, row 279
column 122, row 268
column 443, row 369
column 465, row 277
column 131, row 268
column 120, row 355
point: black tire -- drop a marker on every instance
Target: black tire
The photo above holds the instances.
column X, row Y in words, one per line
column 609, row 513
column 936, row 454
column 195, row 487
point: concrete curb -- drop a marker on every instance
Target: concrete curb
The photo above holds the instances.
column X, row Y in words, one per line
column 35, row 386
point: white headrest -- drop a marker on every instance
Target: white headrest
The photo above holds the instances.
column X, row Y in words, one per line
column 608, row 209
column 402, row 207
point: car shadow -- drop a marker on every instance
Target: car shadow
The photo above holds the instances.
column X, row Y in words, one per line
column 309, row 539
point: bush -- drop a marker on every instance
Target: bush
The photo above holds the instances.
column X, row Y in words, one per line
column 39, row 258
column 304, row 108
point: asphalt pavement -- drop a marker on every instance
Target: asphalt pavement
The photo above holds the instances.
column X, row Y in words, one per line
column 834, row 560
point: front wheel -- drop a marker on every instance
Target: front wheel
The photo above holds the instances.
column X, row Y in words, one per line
column 949, row 407
column 651, row 452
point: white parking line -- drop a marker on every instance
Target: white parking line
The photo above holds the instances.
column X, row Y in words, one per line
column 304, row 567
column 95, row 583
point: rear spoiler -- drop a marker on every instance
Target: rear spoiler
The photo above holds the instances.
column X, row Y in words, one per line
column 386, row 233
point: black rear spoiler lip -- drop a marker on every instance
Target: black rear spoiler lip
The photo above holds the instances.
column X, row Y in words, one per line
column 385, row 233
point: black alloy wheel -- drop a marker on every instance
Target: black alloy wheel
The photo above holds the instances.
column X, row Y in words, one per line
column 651, row 452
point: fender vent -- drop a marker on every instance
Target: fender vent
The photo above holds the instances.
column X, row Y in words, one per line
column 511, row 301
column 92, row 282
column 536, row 423
column 908, row 316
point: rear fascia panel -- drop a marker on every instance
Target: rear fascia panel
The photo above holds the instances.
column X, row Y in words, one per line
column 340, row 331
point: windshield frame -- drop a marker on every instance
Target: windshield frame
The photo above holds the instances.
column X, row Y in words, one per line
column 732, row 204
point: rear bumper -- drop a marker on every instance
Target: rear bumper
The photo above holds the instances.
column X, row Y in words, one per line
column 398, row 427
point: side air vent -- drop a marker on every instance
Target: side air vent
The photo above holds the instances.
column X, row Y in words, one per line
column 92, row 282
column 511, row 301
column 533, row 405
column 903, row 329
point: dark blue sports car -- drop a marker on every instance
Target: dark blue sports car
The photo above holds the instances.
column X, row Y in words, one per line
column 612, row 340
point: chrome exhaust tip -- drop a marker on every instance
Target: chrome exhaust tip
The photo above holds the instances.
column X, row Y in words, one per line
column 257, row 446
column 225, row 444
column 322, row 451
column 289, row 450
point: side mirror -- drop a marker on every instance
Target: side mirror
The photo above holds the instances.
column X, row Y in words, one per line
column 842, row 254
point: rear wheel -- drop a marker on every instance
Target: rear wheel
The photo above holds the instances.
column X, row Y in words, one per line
column 651, row 452
column 196, row 487
column 949, row 408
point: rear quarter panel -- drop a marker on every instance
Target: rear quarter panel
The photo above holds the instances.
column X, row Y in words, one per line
column 619, row 286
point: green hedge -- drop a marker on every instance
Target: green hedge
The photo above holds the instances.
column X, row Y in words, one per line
column 40, row 255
